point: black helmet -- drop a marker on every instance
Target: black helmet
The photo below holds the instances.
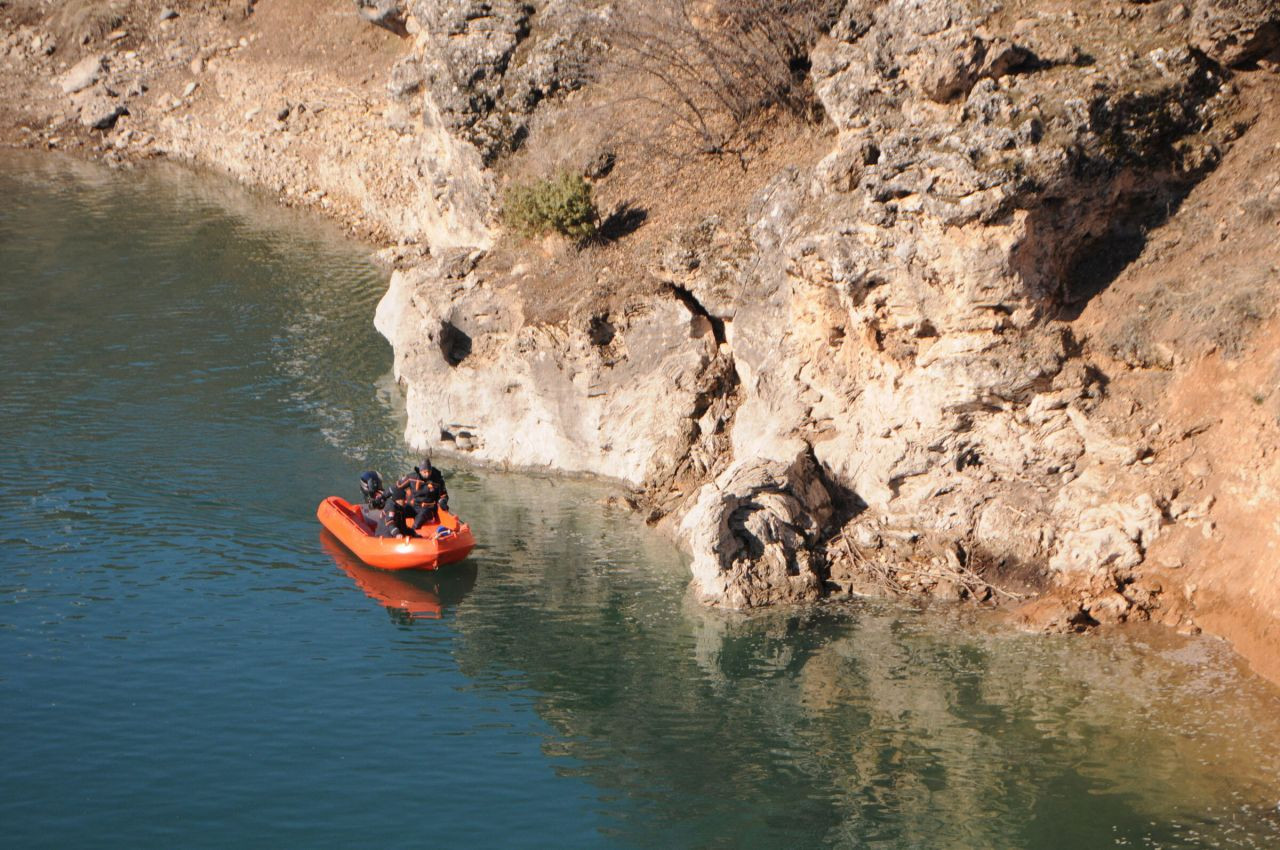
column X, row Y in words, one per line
column 371, row 485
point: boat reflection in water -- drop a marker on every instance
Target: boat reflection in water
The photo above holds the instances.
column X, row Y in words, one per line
column 409, row 595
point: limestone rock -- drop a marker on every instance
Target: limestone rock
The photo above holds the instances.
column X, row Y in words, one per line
column 566, row 397
column 100, row 112
column 1108, row 538
column 482, row 89
column 879, row 328
column 1098, row 442
column 752, row 533
column 388, row 14
column 83, row 74
column 1109, row 608
column 1052, row 613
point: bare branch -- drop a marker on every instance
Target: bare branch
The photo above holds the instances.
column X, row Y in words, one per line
column 718, row 64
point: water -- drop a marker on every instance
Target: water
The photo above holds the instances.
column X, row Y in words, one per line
column 189, row 661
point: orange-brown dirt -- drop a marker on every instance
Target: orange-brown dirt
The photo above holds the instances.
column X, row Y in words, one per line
column 1189, row 338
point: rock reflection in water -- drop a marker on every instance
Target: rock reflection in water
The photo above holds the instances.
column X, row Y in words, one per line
column 865, row 724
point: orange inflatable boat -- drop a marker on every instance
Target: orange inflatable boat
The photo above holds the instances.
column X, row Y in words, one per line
column 450, row 541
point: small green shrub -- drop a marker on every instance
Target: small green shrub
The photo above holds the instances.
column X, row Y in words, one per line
column 560, row 204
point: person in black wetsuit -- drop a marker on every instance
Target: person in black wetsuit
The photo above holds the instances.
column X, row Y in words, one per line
column 426, row 507
column 375, row 496
column 437, row 478
column 389, row 522
column 400, row 503
column 425, row 494
column 427, row 472
column 384, row 511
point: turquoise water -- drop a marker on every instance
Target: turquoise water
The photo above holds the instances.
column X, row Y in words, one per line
column 189, row 661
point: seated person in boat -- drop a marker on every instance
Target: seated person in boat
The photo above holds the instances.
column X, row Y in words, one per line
column 422, row 474
column 400, row 504
column 382, row 511
column 389, row 522
column 375, row 495
column 423, row 504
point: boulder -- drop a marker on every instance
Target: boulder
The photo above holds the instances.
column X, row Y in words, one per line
column 83, row 74
column 754, row 533
column 391, row 15
column 1109, row 538
column 100, row 112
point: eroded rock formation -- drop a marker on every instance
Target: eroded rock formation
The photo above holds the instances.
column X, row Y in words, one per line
column 882, row 362
column 925, row 360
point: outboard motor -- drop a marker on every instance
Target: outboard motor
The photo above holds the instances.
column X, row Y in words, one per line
column 371, row 487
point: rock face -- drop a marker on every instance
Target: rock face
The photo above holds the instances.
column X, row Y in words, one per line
column 615, row 396
column 918, row 269
column 1236, row 32
column 896, row 321
column 481, row 89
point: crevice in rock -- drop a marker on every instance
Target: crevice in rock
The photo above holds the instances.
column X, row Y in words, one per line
column 455, row 344
column 600, row 330
column 695, row 306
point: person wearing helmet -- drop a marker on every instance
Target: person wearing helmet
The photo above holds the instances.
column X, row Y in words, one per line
column 375, row 496
column 371, row 487
column 424, row 492
column 430, row 473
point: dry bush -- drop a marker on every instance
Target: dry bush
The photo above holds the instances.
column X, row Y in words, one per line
column 710, row 67
column 1263, row 208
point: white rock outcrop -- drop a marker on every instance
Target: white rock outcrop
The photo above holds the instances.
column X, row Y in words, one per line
column 617, row 397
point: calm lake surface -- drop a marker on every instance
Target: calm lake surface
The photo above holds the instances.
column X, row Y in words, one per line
column 186, row 660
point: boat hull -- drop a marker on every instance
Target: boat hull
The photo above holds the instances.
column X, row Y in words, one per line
column 346, row 522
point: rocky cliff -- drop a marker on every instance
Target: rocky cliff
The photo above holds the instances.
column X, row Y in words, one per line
column 996, row 320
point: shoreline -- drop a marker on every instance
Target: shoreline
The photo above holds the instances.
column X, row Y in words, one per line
column 977, row 430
